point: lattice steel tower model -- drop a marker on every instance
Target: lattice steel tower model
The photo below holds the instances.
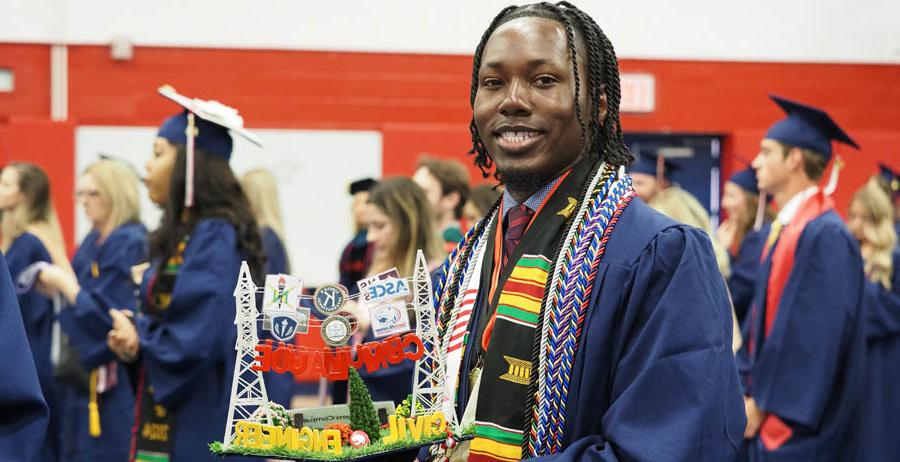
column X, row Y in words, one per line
column 428, row 382
column 248, row 391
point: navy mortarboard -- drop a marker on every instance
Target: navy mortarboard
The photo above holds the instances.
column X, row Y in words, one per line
column 891, row 179
column 653, row 164
column 746, row 179
column 807, row 127
column 209, row 123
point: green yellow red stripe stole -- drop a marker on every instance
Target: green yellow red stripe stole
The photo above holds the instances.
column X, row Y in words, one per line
column 558, row 254
column 154, row 423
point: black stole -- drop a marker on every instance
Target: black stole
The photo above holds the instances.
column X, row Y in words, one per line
column 503, row 409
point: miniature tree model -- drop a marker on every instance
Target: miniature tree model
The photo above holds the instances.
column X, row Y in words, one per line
column 362, row 411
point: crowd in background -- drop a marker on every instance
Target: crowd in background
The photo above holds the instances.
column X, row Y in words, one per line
column 95, row 358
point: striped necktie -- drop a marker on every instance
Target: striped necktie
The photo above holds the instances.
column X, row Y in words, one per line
column 517, row 220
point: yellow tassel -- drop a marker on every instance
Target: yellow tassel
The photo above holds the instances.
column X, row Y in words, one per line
column 93, row 408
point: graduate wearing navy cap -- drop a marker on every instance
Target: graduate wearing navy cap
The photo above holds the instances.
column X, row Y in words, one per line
column 889, row 180
column 743, row 233
column 182, row 342
column 653, row 184
column 651, row 174
column 871, row 220
column 803, row 353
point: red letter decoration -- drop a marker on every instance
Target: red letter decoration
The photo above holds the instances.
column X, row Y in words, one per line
column 333, row 363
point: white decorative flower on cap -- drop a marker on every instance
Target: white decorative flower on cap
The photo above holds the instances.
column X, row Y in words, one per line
column 212, row 111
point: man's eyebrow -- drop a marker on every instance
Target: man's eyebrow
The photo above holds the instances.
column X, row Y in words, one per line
column 533, row 63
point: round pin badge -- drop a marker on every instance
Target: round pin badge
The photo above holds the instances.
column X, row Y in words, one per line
column 336, row 331
column 330, row 298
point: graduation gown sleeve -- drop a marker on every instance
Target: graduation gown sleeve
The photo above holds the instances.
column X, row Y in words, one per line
column 806, row 363
column 23, row 411
column 674, row 392
column 883, row 306
column 744, row 269
column 87, row 322
column 276, row 257
column 198, row 326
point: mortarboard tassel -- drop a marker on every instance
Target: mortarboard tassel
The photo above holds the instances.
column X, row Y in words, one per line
column 832, row 184
column 760, row 211
column 189, row 167
column 660, row 168
column 93, row 408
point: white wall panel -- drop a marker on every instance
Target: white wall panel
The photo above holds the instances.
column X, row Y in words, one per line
column 313, row 169
column 766, row 30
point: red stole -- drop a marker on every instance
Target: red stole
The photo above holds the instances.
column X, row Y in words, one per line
column 774, row 432
column 786, row 249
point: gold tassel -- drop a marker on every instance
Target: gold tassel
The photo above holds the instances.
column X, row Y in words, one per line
column 93, row 408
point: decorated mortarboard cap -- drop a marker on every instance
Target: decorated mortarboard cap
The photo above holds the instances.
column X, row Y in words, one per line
column 891, row 178
column 204, row 125
column 361, row 185
column 807, row 127
column 648, row 164
column 746, row 179
column 213, row 123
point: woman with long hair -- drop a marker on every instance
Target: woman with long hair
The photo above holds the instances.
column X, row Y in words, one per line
column 399, row 223
column 261, row 189
column 871, row 221
column 398, row 228
column 31, row 234
column 182, row 343
column 100, row 409
column 740, row 235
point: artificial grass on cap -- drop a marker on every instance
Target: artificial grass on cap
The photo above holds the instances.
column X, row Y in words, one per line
column 348, row 453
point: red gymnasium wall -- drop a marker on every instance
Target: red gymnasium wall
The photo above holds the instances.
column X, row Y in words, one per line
column 418, row 102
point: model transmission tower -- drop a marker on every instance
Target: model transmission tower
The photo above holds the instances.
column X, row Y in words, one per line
column 248, row 391
column 428, row 382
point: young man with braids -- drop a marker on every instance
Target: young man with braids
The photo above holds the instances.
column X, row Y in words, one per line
column 575, row 322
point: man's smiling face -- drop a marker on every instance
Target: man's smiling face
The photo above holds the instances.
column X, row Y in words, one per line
column 525, row 103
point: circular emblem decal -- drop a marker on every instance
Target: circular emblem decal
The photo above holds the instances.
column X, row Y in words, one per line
column 330, row 298
column 336, row 331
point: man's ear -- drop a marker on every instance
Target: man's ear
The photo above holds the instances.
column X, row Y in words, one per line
column 604, row 105
column 795, row 159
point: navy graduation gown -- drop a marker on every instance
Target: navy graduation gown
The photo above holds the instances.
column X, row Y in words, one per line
column 23, row 411
column 744, row 269
column 189, row 355
column 276, row 255
column 808, row 372
column 654, row 376
column 878, row 437
column 279, row 387
column 87, row 323
column 38, row 316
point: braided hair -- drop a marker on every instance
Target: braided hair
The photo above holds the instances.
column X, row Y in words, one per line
column 601, row 139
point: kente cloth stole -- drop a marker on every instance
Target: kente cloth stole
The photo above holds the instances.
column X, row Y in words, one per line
column 548, row 286
column 151, row 439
